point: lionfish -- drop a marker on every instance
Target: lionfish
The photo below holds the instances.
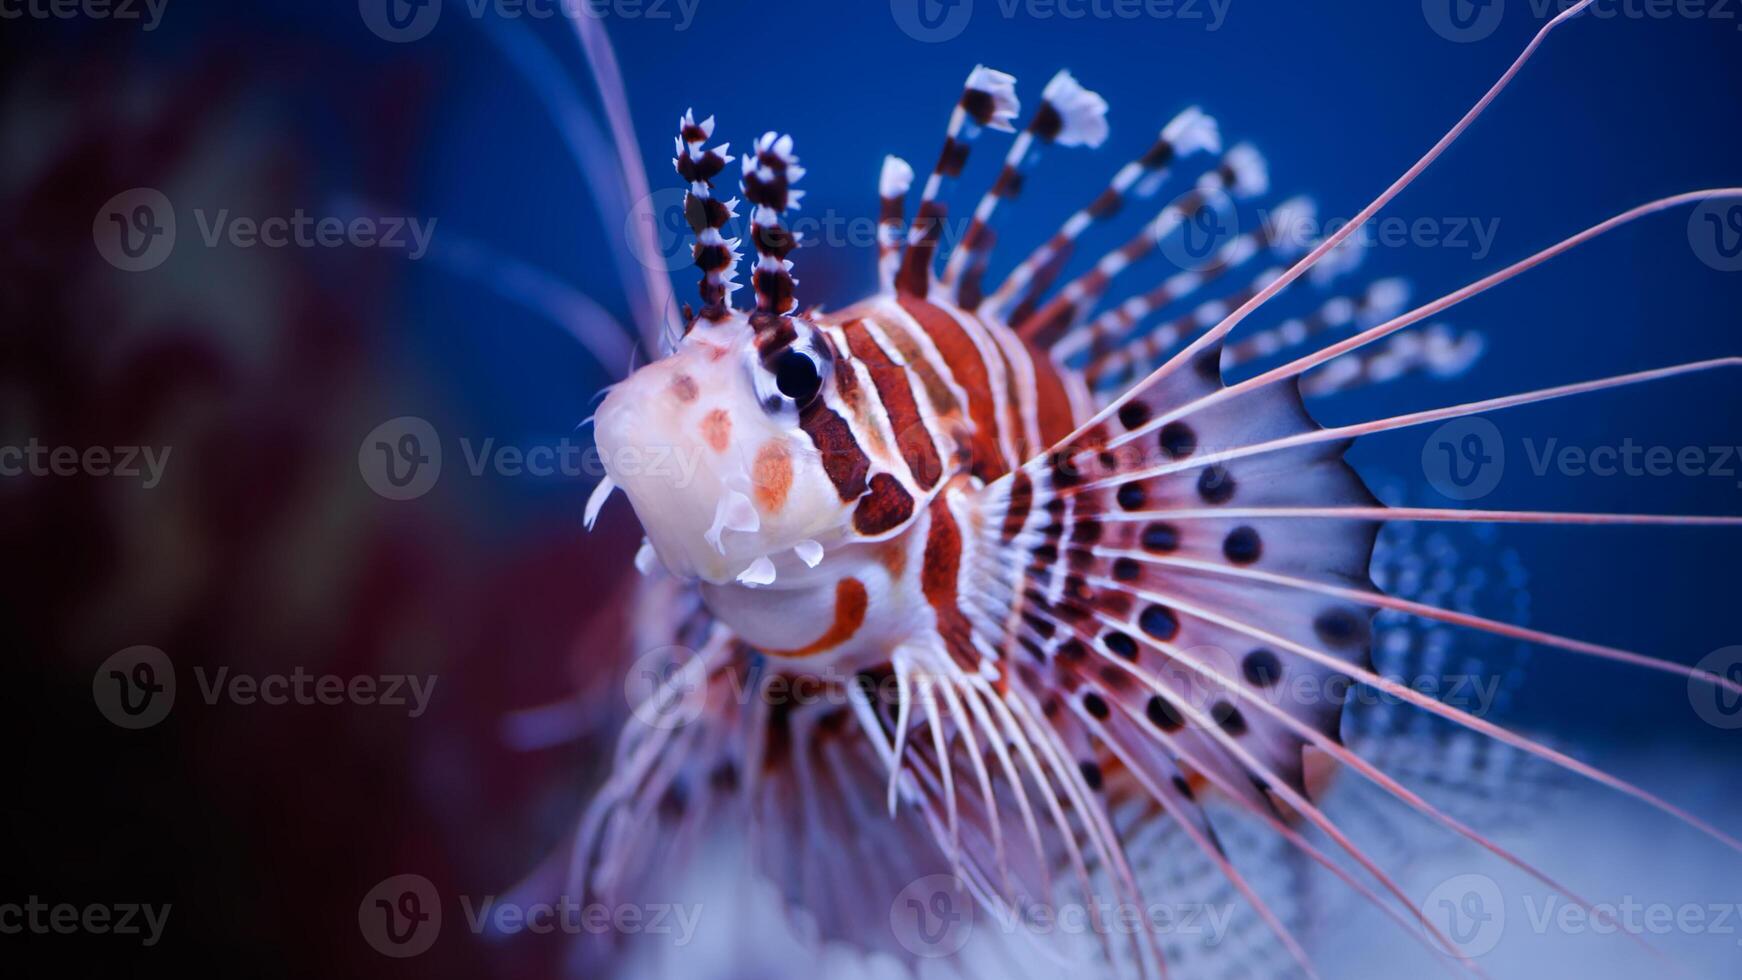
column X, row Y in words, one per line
column 1046, row 575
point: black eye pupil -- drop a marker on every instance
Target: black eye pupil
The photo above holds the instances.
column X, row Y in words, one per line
column 796, row 375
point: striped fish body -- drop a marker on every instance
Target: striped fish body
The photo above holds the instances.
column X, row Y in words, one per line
column 911, row 490
column 921, row 398
column 989, row 397
column 910, row 503
column 1050, row 581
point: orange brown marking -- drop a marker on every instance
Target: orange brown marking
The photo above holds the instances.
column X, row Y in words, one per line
column 717, row 429
column 851, row 602
column 771, row 475
column 684, row 387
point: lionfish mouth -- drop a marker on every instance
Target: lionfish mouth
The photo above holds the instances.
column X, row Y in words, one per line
column 683, row 510
column 681, row 441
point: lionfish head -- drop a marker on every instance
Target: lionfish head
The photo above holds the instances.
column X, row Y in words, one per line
column 751, row 492
column 743, row 484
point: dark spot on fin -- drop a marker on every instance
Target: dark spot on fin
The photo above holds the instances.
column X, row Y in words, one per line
column 1242, row 546
column 1164, row 715
column 1160, row 538
column 1216, row 485
column 1261, row 668
column 1178, row 440
column 1091, row 775
column 1341, row 628
column 1121, row 644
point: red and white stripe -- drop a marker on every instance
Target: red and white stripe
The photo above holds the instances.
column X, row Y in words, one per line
column 1189, row 133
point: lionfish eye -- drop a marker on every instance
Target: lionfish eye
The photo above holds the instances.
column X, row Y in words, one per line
column 798, row 376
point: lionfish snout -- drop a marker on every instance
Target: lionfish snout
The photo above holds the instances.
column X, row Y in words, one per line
column 726, row 487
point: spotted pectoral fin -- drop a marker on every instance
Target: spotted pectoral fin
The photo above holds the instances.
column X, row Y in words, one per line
column 1145, row 576
column 1146, row 605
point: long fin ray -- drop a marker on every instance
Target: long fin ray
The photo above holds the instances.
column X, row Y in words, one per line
column 1420, row 313
column 1467, row 720
column 1243, row 691
column 1455, row 618
column 660, row 309
column 1345, row 433
column 1214, row 337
